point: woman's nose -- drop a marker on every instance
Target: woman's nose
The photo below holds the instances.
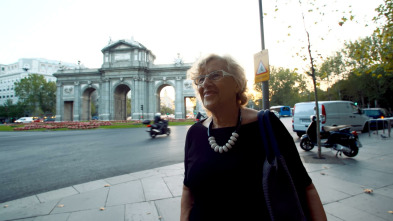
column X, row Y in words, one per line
column 206, row 80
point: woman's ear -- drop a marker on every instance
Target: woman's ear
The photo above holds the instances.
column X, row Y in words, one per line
column 237, row 89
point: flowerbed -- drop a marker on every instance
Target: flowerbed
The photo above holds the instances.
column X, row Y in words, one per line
column 66, row 124
column 73, row 125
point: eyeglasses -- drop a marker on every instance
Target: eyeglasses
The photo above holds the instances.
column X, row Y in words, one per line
column 213, row 76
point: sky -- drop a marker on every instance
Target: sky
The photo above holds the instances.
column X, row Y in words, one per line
column 77, row 30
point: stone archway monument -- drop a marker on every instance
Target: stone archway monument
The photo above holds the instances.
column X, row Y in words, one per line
column 128, row 66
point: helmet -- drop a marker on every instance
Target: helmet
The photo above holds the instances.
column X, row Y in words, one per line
column 158, row 115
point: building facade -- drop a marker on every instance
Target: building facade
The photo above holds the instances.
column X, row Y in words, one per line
column 12, row 73
column 128, row 66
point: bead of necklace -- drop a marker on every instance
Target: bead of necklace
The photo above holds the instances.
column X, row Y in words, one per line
column 232, row 140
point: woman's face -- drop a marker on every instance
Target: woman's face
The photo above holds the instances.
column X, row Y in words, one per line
column 220, row 93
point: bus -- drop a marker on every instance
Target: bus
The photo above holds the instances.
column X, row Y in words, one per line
column 283, row 111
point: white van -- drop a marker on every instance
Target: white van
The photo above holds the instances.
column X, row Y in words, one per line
column 25, row 120
column 331, row 113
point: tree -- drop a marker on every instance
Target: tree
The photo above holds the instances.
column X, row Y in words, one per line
column 285, row 86
column 38, row 95
column 166, row 110
column 331, row 70
column 11, row 111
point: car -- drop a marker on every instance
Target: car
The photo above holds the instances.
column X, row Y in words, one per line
column 49, row 119
column 38, row 119
column 332, row 113
column 24, row 120
column 377, row 113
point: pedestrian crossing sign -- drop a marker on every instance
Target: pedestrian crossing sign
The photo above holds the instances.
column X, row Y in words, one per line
column 261, row 66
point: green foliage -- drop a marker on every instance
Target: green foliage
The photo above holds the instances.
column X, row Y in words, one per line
column 286, row 87
column 9, row 110
column 166, row 110
column 37, row 95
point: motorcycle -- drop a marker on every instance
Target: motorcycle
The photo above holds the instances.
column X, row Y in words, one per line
column 339, row 138
column 154, row 128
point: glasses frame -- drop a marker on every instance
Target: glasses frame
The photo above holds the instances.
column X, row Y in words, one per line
column 197, row 79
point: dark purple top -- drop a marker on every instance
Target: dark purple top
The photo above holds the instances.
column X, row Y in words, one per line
column 228, row 186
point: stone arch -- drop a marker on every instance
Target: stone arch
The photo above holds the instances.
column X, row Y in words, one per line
column 120, row 101
column 90, row 94
column 161, row 85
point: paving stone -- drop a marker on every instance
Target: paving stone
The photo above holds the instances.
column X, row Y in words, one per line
column 146, row 173
column 169, row 209
column 93, row 185
column 57, row 194
column 130, row 192
column 175, row 184
column 362, row 176
column 120, row 179
column 375, row 204
column 386, row 191
column 155, row 188
column 84, row 201
column 379, row 163
column 327, row 181
column 145, row 211
column 36, row 209
column 171, row 172
column 310, row 167
column 57, row 217
column 348, row 213
column 115, row 213
column 23, row 202
column 331, row 217
column 329, row 195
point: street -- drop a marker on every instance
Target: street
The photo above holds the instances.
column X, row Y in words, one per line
column 35, row 162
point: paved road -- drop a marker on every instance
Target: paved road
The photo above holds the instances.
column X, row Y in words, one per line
column 35, row 162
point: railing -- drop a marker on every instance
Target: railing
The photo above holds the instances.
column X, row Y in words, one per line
column 384, row 121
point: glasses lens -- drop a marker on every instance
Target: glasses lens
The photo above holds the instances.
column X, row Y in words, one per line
column 216, row 75
column 199, row 80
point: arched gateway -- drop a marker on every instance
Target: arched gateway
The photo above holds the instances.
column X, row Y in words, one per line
column 128, row 66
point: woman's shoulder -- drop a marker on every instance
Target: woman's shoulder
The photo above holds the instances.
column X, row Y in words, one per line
column 249, row 115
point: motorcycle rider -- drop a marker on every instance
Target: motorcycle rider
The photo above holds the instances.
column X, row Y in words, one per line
column 159, row 122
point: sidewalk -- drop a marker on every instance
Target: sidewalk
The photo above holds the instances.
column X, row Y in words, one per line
column 155, row 194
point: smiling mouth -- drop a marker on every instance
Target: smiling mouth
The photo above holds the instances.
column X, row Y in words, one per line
column 208, row 93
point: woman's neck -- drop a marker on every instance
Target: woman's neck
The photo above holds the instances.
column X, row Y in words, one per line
column 226, row 118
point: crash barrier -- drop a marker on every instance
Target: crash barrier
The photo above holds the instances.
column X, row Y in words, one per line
column 383, row 121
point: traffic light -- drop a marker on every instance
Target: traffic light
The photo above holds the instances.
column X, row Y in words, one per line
column 142, row 107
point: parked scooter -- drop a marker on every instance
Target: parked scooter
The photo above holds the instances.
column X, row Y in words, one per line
column 339, row 138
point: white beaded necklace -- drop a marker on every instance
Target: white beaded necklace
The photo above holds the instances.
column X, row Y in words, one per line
column 231, row 141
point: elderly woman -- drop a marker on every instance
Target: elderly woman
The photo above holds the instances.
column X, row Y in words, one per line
column 224, row 153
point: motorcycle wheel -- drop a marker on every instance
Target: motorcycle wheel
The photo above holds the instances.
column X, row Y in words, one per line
column 354, row 150
column 153, row 135
column 306, row 144
column 168, row 131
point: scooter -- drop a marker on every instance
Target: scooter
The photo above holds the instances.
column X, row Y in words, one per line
column 339, row 138
column 153, row 129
